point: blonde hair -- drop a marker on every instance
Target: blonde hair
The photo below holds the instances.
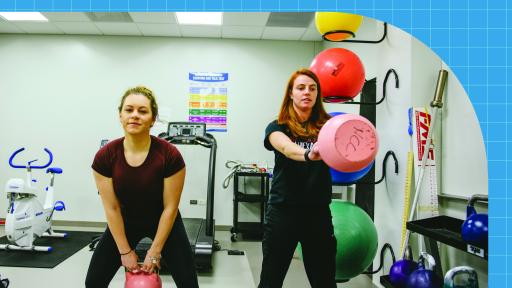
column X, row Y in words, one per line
column 142, row 90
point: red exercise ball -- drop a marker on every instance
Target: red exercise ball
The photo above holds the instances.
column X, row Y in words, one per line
column 341, row 74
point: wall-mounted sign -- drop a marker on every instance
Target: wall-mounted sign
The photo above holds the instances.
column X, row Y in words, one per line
column 208, row 100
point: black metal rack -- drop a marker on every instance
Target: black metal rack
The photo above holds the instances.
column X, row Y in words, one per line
column 447, row 230
column 252, row 228
column 444, row 229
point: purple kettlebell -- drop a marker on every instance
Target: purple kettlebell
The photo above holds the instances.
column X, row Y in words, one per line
column 401, row 269
column 423, row 277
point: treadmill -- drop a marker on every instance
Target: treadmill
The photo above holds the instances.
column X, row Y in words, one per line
column 200, row 232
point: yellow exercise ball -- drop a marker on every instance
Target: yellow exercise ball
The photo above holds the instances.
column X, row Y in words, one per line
column 333, row 24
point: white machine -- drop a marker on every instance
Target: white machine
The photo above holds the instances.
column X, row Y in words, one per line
column 27, row 219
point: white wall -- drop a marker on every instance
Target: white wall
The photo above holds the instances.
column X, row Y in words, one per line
column 62, row 92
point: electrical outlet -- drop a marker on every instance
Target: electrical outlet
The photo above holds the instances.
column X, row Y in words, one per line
column 193, row 202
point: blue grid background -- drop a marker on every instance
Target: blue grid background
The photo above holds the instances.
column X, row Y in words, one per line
column 471, row 36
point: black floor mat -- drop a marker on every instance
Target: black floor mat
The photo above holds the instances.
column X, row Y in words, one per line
column 63, row 248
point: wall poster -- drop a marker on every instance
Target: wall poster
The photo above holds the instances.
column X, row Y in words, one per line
column 208, row 100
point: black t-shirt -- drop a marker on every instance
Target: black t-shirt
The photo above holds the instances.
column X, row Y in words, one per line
column 139, row 189
column 297, row 182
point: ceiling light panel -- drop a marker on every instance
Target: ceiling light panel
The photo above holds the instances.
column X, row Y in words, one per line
column 23, row 16
column 199, row 18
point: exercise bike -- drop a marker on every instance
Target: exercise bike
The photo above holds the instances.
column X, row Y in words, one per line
column 26, row 218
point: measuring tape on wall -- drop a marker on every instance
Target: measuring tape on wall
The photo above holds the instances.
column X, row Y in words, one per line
column 428, row 205
column 407, row 197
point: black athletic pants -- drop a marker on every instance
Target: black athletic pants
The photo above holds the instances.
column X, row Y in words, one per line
column 284, row 227
column 176, row 251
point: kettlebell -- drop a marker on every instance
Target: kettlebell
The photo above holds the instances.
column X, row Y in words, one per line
column 141, row 279
column 423, row 277
column 401, row 269
column 4, row 283
column 475, row 228
column 470, row 282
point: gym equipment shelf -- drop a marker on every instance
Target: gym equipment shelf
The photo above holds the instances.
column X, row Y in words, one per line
column 444, row 229
column 254, row 228
column 447, row 230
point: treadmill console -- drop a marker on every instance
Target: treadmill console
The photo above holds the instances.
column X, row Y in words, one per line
column 185, row 132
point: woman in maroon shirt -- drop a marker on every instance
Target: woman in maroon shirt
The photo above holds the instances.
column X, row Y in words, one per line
column 140, row 179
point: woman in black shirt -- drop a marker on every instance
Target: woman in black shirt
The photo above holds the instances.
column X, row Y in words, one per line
column 298, row 206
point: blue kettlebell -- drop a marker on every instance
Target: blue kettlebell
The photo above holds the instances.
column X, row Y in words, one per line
column 475, row 228
column 423, row 277
column 471, row 281
column 402, row 269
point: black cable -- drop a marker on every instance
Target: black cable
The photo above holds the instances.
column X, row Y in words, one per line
column 382, row 250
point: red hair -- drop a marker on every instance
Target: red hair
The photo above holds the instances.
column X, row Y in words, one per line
column 288, row 116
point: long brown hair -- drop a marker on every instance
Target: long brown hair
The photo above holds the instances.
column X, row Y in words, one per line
column 288, row 116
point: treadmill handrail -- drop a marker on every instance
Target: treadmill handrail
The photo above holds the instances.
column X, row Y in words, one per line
column 200, row 140
column 211, row 185
column 207, row 141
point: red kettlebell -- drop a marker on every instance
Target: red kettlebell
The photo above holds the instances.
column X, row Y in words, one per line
column 141, row 279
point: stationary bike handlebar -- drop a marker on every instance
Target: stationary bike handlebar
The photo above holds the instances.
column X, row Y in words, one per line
column 33, row 167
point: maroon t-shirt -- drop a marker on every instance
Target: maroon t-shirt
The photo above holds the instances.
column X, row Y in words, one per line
column 139, row 189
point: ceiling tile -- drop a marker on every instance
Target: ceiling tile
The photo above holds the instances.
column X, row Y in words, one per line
column 78, row 28
column 200, row 31
column 244, row 19
column 311, row 35
column 159, row 29
column 66, row 17
column 290, row 19
column 6, row 27
column 236, row 25
column 118, row 28
column 283, row 33
column 242, row 32
column 38, row 27
column 154, row 17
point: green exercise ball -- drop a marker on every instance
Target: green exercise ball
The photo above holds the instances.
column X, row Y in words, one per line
column 356, row 238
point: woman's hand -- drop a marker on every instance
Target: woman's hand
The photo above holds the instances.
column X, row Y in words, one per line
column 130, row 261
column 151, row 262
column 314, row 153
